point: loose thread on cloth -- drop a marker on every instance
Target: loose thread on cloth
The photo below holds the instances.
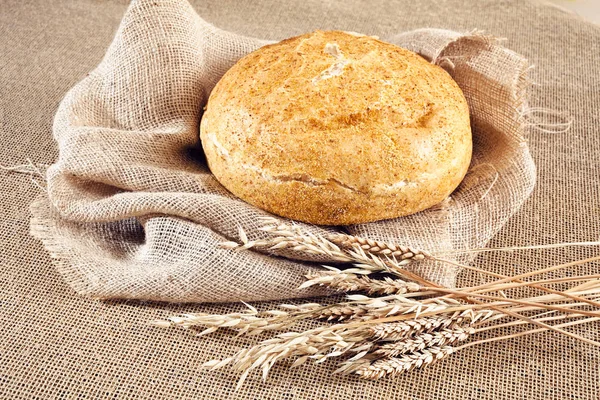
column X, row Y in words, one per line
column 31, row 169
column 536, row 118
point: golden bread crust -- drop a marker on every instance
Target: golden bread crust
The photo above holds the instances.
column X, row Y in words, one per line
column 332, row 128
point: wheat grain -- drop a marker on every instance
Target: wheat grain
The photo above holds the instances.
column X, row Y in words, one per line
column 342, row 312
column 368, row 255
column 249, row 323
column 342, row 281
column 395, row 366
column 366, row 308
column 410, row 328
column 423, row 341
column 318, row 344
column 378, row 247
column 397, row 331
column 326, row 342
column 369, row 352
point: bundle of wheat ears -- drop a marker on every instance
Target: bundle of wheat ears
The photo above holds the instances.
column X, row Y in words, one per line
column 400, row 321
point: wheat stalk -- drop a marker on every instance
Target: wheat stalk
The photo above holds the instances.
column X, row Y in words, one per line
column 368, row 255
column 332, row 341
column 317, row 344
column 409, row 328
column 344, row 281
column 424, row 341
column 377, row 247
column 250, row 323
column 420, row 341
column 396, row 366
column 371, row 352
column 401, row 324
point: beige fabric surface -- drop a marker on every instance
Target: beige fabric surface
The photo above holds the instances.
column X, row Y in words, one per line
column 133, row 211
column 56, row 344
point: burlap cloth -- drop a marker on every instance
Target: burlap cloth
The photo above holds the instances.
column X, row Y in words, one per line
column 58, row 345
column 132, row 210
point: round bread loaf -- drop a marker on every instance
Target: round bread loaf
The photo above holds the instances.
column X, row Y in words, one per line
column 335, row 128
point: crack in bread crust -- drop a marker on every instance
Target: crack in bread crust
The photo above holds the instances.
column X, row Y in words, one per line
column 309, row 180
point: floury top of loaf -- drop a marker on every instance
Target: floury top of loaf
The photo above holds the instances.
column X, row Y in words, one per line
column 335, row 128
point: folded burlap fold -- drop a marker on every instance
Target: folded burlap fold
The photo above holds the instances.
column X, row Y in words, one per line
column 132, row 210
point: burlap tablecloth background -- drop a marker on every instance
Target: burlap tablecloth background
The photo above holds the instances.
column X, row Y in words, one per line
column 55, row 344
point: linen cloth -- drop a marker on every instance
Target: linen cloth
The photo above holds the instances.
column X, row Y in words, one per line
column 132, row 210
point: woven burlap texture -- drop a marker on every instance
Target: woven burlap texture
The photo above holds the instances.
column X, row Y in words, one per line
column 56, row 344
column 134, row 212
